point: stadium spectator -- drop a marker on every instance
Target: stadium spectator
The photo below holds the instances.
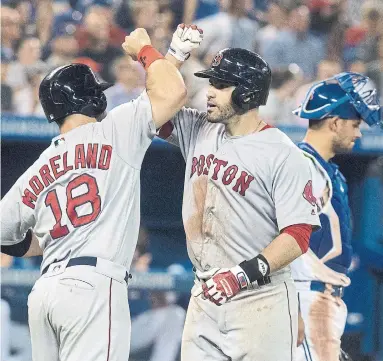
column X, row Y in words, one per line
column 231, row 27
column 44, row 20
column 358, row 67
column 325, row 14
column 6, row 90
column 297, row 45
column 28, row 56
column 15, row 344
column 10, row 32
column 25, row 8
column 26, row 100
column 159, row 328
column 66, row 21
column 163, row 31
column 276, row 21
column 98, row 47
column 15, row 339
column 198, row 9
column 329, row 20
column 104, row 9
column 129, row 82
column 64, row 48
column 361, row 40
column 197, row 87
column 284, row 84
column 157, row 331
column 375, row 70
column 5, row 331
column 145, row 14
column 373, row 15
column 353, row 10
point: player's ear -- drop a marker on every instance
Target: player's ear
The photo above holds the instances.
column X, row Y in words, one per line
column 333, row 124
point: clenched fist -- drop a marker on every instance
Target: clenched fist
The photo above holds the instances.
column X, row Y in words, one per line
column 185, row 39
column 135, row 41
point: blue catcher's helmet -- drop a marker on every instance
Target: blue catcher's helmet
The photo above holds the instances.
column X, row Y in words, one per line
column 346, row 95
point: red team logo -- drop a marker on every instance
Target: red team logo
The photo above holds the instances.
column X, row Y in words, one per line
column 217, row 60
column 308, row 194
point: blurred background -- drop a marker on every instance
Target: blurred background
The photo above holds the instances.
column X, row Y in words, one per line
column 304, row 41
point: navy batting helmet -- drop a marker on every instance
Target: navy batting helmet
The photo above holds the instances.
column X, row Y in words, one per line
column 247, row 71
column 346, row 95
column 72, row 89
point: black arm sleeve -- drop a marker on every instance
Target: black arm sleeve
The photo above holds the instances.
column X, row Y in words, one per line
column 19, row 249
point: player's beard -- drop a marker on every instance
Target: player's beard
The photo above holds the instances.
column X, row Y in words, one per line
column 221, row 114
column 342, row 145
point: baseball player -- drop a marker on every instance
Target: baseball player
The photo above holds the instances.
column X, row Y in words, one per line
column 248, row 211
column 81, row 199
column 335, row 109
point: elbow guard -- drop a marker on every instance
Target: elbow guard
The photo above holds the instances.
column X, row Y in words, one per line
column 19, row 249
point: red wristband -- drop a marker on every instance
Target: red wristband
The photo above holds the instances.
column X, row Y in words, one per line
column 148, row 55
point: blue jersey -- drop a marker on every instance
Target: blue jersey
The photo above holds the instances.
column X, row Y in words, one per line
column 322, row 241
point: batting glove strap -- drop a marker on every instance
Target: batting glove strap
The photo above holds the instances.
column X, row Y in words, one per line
column 241, row 277
column 185, row 39
column 256, row 269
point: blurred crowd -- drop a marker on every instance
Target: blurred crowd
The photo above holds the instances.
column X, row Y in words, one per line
column 303, row 40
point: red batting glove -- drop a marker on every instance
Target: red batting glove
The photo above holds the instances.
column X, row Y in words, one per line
column 225, row 284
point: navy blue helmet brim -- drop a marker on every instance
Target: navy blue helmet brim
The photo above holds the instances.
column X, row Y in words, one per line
column 211, row 73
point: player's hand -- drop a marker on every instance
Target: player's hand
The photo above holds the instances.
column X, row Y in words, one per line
column 135, row 41
column 224, row 285
column 185, row 39
column 301, row 329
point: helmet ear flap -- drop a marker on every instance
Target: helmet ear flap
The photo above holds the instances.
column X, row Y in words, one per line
column 244, row 99
column 94, row 107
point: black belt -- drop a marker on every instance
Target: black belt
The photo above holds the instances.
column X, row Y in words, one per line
column 336, row 291
column 83, row 261
column 263, row 281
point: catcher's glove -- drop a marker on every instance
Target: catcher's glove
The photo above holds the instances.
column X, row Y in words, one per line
column 344, row 356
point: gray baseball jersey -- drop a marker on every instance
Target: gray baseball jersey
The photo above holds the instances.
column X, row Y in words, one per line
column 83, row 193
column 83, row 196
column 240, row 191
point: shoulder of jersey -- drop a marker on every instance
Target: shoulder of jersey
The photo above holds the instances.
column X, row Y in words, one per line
column 321, row 180
column 272, row 136
column 315, row 165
